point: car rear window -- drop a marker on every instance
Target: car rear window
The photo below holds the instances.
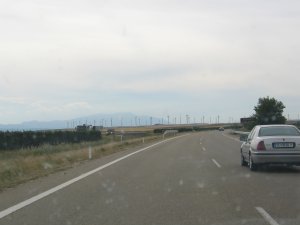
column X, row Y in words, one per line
column 278, row 131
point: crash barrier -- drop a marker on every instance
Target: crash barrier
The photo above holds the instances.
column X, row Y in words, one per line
column 243, row 135
column 170, row 132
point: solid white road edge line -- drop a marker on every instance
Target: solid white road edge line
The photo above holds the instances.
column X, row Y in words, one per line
column 29, row 201
column 215, row 162
column 266, row 216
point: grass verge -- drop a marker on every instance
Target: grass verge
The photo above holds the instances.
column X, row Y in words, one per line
column 20, row 166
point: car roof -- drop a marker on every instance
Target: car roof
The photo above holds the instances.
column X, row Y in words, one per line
column 276, row 125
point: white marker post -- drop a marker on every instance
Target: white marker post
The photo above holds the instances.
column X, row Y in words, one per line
column 90, row 152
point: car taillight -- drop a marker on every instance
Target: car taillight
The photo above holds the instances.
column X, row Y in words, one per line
column 261, row 146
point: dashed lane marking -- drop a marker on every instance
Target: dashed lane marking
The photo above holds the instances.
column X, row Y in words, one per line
column 216, row 163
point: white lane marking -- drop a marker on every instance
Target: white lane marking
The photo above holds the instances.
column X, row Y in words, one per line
column 266, row 216
column 231, row 138
column 204, row 149
column 29, row 201
column 215, row 162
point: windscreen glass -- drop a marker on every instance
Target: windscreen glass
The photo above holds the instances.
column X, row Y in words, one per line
column 278, row 131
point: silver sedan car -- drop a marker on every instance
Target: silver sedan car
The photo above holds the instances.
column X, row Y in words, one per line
column 271, row 144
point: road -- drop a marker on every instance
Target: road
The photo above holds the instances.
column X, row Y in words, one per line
column 193, row 179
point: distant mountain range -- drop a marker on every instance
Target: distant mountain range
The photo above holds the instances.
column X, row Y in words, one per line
column 106, row 120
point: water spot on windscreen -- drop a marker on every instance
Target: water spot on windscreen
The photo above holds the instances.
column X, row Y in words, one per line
column 223, row 179
column 248, row 175
column 271, row 194
column 54, row 201
column 47, row 166
column 100, row 173
column 32, row 190
column 181, row 182
column 200, row 185
column 267, row 178
column 6, row 79
column 215, row 193
column 109, row 201
column 109, row 186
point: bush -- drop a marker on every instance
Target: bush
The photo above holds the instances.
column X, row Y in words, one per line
column 31, row 139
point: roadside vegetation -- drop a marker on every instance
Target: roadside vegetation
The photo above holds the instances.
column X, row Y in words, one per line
column 32, row 139
column 267, row 111
column 18, row 166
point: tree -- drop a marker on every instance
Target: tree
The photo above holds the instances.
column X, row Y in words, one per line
column 269, row 111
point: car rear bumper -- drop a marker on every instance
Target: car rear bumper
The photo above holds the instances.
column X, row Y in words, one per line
column 276, row 158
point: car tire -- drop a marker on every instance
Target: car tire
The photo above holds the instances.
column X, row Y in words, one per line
column 252, row 166
column 243, row 162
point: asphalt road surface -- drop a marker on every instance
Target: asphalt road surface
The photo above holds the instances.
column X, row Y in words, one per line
column 193, row 179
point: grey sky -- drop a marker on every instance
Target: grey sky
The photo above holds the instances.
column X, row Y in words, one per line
column 63, row 59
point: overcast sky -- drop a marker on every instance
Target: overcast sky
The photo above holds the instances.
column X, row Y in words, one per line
column 63, row 59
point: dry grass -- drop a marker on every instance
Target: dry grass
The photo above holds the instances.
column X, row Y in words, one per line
column 20, row 166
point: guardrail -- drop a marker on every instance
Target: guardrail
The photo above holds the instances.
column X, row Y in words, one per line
column 170, row 132
column 240, row 132
column 243, row 135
